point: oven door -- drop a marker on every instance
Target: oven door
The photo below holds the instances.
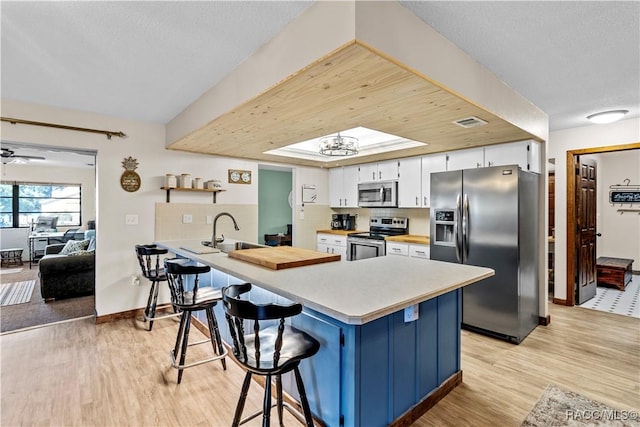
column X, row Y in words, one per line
column 362, row 248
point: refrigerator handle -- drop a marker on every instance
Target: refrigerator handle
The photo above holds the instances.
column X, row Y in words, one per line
column 465, row 225
column 456, row 237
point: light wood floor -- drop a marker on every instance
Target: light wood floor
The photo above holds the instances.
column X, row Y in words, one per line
column 117, row 374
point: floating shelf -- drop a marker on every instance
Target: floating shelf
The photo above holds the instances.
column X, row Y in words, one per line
column 196, row 190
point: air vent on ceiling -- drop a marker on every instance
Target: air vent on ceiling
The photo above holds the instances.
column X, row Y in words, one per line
column 470, row 122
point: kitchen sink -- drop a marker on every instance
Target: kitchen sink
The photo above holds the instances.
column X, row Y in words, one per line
column 237, row 246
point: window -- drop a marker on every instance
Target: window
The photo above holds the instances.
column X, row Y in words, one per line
column 22, row 203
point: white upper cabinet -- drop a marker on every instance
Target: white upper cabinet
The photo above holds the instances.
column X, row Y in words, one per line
column 380, row 171
column 525, row 154
column 343, row 187
column 431, row 164
column 414, row 184
column 470, row 158
column 409, row 183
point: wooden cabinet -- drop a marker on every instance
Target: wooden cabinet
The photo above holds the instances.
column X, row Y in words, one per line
column 332, row 244
column 343, row 187
column 379, row 171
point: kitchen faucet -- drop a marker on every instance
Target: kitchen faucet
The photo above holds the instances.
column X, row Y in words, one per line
column 214, row 241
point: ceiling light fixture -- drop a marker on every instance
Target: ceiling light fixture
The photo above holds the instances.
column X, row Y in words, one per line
column 607, row 116
column 338, row 145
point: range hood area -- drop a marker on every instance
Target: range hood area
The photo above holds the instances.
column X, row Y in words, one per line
column 385, row 70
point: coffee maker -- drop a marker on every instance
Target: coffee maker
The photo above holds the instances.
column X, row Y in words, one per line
column 343, row 222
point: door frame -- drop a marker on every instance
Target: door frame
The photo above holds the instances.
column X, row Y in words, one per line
column 571, row 211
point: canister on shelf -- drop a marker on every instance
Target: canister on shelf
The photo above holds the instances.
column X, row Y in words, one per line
column 185, row 180
column 170, row 181
column 197, row 183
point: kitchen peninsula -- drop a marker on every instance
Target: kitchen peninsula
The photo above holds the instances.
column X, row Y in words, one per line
column 376, row 366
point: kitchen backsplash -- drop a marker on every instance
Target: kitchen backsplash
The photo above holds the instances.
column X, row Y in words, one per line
column 418, row 218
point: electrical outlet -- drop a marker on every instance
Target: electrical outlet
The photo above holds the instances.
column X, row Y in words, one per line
column 131, row 219
column 209, row 219
column 187, row 219
column 411, row 313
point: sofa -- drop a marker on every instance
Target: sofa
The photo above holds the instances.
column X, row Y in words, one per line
column 67, row 270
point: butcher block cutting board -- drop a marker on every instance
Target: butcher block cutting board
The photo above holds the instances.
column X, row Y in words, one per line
column 280, row 257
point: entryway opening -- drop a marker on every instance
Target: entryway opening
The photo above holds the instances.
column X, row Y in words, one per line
column 275, row 214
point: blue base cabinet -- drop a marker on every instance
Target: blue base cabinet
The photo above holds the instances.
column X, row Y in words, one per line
column 369, row 375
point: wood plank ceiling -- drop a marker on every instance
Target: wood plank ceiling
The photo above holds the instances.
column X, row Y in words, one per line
column 352, row 86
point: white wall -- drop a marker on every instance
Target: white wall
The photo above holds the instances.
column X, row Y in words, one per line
column 622, row 132
column 17, row 237
column 620, row 232
column 115, row 258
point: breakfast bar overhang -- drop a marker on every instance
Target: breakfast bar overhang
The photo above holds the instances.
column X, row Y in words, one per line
column 375, row 367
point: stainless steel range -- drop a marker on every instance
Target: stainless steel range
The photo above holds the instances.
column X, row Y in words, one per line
column 372, row 244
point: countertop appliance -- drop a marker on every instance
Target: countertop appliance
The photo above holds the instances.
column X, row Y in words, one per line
column 488, row 217
column 381, row 194
column 372, row 244
column 343, row 222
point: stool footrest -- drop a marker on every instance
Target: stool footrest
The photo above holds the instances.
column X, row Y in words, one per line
column 175, row 364
column 292, row 410
column 164, row 316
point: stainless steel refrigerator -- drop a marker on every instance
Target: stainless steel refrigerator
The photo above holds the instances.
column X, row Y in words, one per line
column 488, row 217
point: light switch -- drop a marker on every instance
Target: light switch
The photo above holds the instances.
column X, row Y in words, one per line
column 187, row 219
column 131, row 219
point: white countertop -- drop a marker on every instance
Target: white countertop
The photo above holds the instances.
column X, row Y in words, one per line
column 354, row 292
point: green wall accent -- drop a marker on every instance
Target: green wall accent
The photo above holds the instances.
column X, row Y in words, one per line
column 274, row 212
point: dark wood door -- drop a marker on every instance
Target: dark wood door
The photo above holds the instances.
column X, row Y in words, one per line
column 586, row 229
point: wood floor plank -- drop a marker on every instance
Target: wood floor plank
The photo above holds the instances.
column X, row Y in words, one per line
column 118, row 374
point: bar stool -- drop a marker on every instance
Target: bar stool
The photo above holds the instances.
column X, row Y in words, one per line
column 270, row 352
column 149, row 259
column 183, row 279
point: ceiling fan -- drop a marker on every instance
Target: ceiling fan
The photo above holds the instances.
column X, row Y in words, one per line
column 9, row 156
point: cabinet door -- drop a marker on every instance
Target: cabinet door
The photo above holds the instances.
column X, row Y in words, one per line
column 431, row 164
column 471, row 158
column 409, row 183
column 320, row 373
column 419, row 251
column 335, row 187
column 514, row 153
column 395, row 248
column 350, row 186
column 387, row 170
column 368, row 172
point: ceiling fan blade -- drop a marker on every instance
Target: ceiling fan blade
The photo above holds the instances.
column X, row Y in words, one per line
column 28, row 157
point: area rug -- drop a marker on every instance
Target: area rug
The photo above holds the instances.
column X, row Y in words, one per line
column 16, row 293
column 559, row 407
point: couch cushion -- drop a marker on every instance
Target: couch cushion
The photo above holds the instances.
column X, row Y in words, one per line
column 92, row 244
column 74, row 246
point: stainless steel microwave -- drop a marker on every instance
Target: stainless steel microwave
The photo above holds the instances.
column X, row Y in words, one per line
column 381, row 194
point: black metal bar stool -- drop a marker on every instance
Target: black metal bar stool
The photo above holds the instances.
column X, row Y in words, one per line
column 149, row 259
column 188, row 297
column 270, row 352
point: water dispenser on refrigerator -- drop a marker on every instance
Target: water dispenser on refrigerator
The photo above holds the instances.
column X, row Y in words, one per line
column 446, row 223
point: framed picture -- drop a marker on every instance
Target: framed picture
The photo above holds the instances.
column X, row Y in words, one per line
column 309, row 193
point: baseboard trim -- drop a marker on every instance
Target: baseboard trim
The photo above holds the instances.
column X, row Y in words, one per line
column 559, row 301
column 129, row 314
column 421, row 408
column 544, row 321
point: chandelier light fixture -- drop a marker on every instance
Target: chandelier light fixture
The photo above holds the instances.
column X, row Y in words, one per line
column 338, row 145
column 607, row 116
